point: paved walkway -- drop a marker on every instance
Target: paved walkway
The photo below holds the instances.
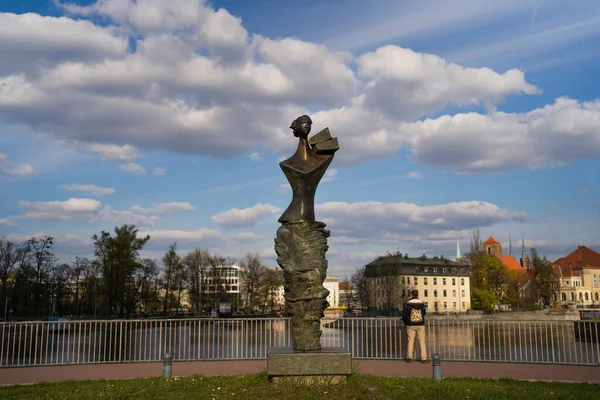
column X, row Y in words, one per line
column 569, row 373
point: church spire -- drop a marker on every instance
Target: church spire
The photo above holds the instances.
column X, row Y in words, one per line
column 510, row 250
column 458, row 255
column 523, row 254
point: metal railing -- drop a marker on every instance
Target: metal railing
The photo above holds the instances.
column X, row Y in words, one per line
column 118, row 341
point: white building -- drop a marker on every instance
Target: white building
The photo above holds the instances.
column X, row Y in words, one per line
column 332, row 284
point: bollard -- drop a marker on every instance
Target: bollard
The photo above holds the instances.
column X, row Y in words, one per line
column 437, row 367
column 168, row 366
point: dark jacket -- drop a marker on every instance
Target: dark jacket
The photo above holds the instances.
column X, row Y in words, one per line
column 413, row 304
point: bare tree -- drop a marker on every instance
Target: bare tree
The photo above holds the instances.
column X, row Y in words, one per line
column 11, row 255
column 252, row 274
column 361, row 287
column 197, row 263
column 42, row 260
column 271, row 280
column 171, row 262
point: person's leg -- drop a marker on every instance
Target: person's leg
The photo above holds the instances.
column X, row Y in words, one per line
column 421, row 338
column 410, row 332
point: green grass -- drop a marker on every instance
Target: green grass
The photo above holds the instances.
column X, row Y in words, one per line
column 257, row 387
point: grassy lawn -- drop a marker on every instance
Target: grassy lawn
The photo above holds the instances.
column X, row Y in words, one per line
column 257, row 387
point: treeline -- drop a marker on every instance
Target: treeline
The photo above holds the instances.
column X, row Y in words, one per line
column 493, row 284
column 118, row 283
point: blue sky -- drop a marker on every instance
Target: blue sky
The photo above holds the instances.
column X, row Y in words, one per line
column 174, row 116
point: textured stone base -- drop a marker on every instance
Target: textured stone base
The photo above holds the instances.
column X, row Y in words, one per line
column 328, row 365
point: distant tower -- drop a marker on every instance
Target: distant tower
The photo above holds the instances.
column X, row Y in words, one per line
column 524, row 259
column 458, row 255
column 492, row 247
column 510, row 251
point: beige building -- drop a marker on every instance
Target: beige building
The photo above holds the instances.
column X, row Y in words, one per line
column 443, row 285
column 579, row 274
column 332, row 283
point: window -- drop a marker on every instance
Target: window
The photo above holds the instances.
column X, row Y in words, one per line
column 435, row 293
column 445, row 293
column 454, row 293
column 434, row 269
column 435, row 281
column 564, row 296
column 444, row 281
column 444, row 270
column 454, row 305
column 586, row 296
column 462, row 293
column 445, row 306
column 408, row 280
column 436, row 305
column 425, row 293
column 426, row 305
column 462, row 281
column 403, row 280
column 425, row 269
column 416, row 280
column 453, row 281
column 596, row 296
column 464, row 306
column 489, row 250
column 580, row 296
column 572, row 296
column 425, row 281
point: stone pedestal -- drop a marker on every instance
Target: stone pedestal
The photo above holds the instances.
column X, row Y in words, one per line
column 328, row 365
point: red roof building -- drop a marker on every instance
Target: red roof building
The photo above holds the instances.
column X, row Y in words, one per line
column 579, row 274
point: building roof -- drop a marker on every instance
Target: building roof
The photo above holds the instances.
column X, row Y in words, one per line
column 581, row 258
column 512, row 265
column 491, row 240
column 401, row 265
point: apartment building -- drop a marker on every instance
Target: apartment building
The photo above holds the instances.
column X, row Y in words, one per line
column 579, row 274
column 443, row 285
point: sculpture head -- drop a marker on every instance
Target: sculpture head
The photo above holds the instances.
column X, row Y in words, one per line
column 301, row 126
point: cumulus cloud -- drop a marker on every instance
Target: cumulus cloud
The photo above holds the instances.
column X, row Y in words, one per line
column 242, row 218
column 562, row 132
column 195, row 77
column 6, row 222
column 197, row 238
column 82, row 209
column 330, row 175
column 114, row 152
column 173, row 207
column 415, row 175
column 6, row 168
column 376, row 222
column 159, row 171
column 255, row 157
column 90, row 190
column 246, row 237
column 133, row 168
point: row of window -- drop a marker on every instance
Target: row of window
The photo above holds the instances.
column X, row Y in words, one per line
column 406, row 281
column 385, row 306
column 384, row 292
column 444, row 269
column 581, row 296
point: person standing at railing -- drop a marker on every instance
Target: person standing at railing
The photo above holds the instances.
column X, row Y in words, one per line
column 413, row 316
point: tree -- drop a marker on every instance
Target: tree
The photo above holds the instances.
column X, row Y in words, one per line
column 484, row 300
column 11, row 255
column 543, row 283
column 118, row 257
column 346, row 291
column 41, row 260
column 171, row 265
column 361, row 287
column 197, row 263
column 252, row 275
column 271, row 280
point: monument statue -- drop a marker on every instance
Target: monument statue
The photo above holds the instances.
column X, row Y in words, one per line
column 301, row 241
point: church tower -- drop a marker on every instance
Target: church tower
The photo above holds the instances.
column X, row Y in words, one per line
column 524, row 258
column 458, row 255
column 492, row 247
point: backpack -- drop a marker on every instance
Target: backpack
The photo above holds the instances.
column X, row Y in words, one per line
column 416, row 316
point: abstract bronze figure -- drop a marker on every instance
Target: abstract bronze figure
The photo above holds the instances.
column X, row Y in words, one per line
column 301, row 241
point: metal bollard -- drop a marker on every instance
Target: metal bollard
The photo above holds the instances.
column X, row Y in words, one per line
column 437, row 367
column 168, row 366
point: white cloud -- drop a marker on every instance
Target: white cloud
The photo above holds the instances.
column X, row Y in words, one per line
column 284, row 188
column 159, row 171
column 6, row 168
column 114, row 152
column 71, row 209
column 330, row 175
column 415, row 175
column 185, row 239
column 246, row 237
column 255, row 157
column 133, row 168
column 34, row 41
column 241, row 218
column 173, row 207
column 376, row 222
column 6, row 222
column 560, row 133
column 117, row 217
column 92, row 190
column 404, row 84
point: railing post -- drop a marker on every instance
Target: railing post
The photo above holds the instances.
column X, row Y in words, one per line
column 437, row 367
column 168, row 365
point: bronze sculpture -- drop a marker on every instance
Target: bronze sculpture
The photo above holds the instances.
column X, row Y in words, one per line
column 301, row 241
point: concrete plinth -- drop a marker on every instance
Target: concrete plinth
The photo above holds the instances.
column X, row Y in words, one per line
column 328, row 365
